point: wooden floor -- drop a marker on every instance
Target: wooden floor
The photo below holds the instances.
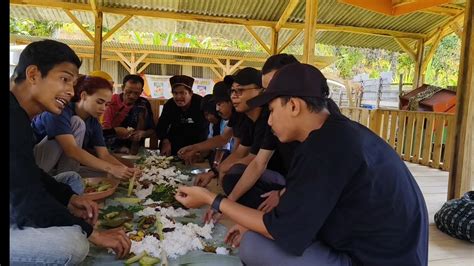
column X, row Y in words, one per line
column 443, row 249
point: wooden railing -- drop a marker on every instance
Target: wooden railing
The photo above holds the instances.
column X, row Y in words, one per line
column 418, row 137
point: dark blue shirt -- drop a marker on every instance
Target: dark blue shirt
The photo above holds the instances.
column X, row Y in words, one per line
column 51, row 125
column 349, row 189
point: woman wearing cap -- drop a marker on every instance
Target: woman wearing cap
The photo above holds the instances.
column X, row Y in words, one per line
column 350, row 199
column 181, row 123
column 66, row 139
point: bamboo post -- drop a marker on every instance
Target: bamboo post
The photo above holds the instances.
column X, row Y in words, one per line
column 462, row 167
column 310, row 31
column 98, row 41
column 417, row 80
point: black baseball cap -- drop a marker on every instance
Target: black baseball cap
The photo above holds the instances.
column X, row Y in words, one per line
column 221, row 90
column 300, row 80
column 247, row 76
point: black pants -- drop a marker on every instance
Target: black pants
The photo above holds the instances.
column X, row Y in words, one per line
column 268, row 181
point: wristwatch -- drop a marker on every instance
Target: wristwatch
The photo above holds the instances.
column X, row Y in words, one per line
column 217, row 203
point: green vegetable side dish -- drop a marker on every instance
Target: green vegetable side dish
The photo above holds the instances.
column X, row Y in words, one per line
column 165, row 193
column 115, row 216
column 99, row 187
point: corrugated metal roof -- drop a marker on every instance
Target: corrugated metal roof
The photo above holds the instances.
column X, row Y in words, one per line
column 329, row 12
column 86, row 47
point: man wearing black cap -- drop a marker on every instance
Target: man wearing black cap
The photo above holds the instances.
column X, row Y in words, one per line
column 181, row 123
column 250, row 188
column 350, row 200
column 263, row 176
column 221, row 96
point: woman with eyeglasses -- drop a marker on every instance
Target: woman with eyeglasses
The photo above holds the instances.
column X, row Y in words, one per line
column 181, row 123
column 68, row 140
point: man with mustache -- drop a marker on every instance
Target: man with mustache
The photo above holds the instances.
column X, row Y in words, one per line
column 181, row 123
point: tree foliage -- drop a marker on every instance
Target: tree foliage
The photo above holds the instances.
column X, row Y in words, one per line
column 32, row 27
column 351, row 61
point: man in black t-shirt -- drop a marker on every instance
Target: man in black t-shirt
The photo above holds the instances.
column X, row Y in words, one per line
column 236, row 124
column 349, row 200
column 181, row 123
column 260, row 184
column 248, row 84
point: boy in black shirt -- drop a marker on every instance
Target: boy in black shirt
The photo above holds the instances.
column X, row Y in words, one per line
column 49, row 223
column 349, row 200
column 257, row 187
column 233, row 129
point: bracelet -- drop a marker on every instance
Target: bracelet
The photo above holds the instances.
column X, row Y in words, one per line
column 214, row 170
column 217, row 202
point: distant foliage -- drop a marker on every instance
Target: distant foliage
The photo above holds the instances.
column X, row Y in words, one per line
column 32, row 27
column 351, row 61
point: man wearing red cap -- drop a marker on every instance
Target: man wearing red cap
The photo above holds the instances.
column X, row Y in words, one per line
column 181, row 123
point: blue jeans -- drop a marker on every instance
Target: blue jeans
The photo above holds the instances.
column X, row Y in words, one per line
column 65, row 245
column 73, row 179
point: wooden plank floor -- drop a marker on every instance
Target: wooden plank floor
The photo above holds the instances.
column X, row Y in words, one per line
column 443, row 249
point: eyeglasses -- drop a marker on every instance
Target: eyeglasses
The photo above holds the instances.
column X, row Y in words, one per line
column 239, row 90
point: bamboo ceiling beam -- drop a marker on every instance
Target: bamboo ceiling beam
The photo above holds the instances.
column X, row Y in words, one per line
column 116, row 27
column 274, row 44
column 123, row 58
column 127, row 50
column 221, row 77
column 446, row 29
column 234, row 67
column 439, row 10
column 258, row 39
column 150, row 60
column 286, row 14
column 309, row 30
column 456, row 28
column 418, row 77
column 143, row 67
column 79, row 24
column 140, row 59
column 227, row 66
column 292, row 37
column 369, row 31
column 94, row 7
column 125, row 66
column 430, row 54
column 320, row 61
column 406, row 48
column 211, row 19
column 218, row 62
